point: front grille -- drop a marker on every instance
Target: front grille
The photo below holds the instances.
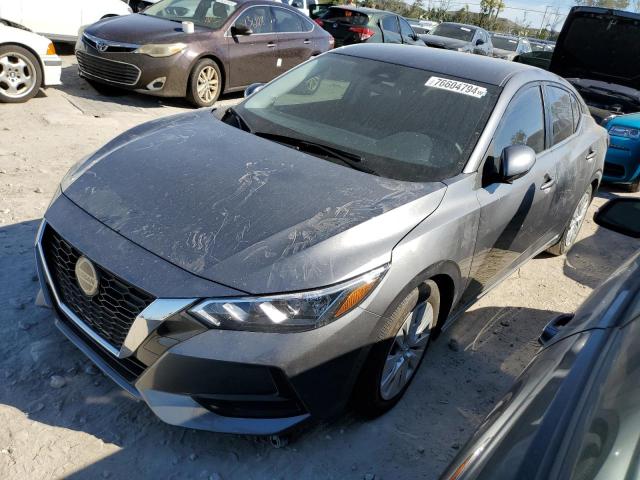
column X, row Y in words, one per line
column 109, row 47
column 613, row 170
column 105, row 69
column 111, row 311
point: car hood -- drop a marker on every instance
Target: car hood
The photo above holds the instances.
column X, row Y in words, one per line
column 141, row 29
column 629, row 120
column 443, row 42
column 598, row 44
column 244, row 211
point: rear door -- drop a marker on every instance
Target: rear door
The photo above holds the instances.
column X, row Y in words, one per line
column 253, row 58
column 390, row 29
column 294, row 38
column 575, row 153
column 514, row 217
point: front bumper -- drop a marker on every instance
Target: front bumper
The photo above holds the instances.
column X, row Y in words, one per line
column 133, row 71
column 201, row 378
column 622, row 163
column 52, row 70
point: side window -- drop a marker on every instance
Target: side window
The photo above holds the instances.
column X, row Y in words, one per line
column 577, row 112
column 405, row 28
column 286, row 21
column 258, row 19
column 522, row 123
column 559, row 108
column 390, row 24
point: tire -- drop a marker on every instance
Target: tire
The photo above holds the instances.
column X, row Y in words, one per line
column 20, row 74
column 106, row 90
column 206, row 72
column 571, row 231
column 375, row 393
column 633, row 187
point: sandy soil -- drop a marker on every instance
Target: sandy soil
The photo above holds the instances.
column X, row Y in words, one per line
column 60, row 418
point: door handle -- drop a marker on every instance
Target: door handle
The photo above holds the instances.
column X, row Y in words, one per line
column 307, row 41
column 591, row 155
column 548, row 182
column 271, row 44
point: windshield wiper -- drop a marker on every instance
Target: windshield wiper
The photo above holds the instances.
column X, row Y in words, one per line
column 241, row 121
column 350, row 159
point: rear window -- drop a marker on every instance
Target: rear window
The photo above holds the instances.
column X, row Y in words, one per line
column 346, row 16
column 458, row 32
column 504, row 43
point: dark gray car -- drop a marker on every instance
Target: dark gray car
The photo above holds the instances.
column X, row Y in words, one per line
column 459, row 37
column 574, row 413
column 249, row 269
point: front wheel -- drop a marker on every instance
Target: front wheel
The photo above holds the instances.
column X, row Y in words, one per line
column 395, row 358
column 204, row 83
column 20, row 74
column 570, row 233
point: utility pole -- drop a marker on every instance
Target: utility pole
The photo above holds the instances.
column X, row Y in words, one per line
column 543, row 19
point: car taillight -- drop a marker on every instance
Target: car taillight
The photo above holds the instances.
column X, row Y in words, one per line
column 363, row 32
column 319, row 22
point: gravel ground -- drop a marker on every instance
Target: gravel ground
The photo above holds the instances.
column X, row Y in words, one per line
column 60, row 418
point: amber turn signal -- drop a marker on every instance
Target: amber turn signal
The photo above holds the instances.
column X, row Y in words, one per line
column 51, row 50
column 354, row 298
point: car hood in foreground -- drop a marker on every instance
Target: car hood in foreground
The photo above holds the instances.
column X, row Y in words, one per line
column 599, row 44
column 244, row 211
column 443, row 42
column 141, row 29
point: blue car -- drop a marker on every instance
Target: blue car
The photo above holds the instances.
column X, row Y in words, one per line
column 622, row 163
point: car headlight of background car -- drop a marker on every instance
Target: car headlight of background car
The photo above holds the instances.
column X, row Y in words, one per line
column 288, row 312
column 161, row 49
column 628, row 132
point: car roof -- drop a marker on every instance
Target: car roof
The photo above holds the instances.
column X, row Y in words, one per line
column 473, row 67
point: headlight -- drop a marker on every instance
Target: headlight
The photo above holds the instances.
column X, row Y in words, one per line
column 627, row 132
column 288, row 312
column 161, row 50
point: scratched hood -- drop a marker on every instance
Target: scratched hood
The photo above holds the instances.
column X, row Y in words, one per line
column 244, row 211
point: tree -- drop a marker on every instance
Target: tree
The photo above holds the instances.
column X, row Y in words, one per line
column 619, row 4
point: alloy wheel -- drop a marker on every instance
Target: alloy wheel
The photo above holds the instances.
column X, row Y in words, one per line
column 576, row 220
column 207, row 84
column 406, row 350
column 17, row 75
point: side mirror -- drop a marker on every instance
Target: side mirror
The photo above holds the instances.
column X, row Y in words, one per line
column 297, row 5
column 253, row 88
column 479, row 42
column 621, row 215
column 516, row 161
column 240, row 29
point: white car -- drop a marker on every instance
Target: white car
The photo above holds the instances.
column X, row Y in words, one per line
column 59, row 20
column 27, row 62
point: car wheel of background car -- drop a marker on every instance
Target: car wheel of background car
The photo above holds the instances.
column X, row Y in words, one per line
column 402, row 343
column 634, row 187
column 570, row 234
column 20, row 74
column 204, row 84
column 106, row 90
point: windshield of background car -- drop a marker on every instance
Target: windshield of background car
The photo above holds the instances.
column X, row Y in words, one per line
column 504, row 43
column 205, row 13
column 346, row 16
column 457, row 32
column 405, row 123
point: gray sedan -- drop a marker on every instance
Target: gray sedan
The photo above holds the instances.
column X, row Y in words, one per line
column 249, row 269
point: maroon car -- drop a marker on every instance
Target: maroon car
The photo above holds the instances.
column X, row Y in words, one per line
column 198, row 48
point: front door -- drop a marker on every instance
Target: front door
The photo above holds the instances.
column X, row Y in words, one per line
column 408, row 35
column 295, row 43
column 514, row 218
column 390, row 29
column 252, row 58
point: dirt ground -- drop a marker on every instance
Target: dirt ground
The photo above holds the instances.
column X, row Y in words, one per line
column 60, row 418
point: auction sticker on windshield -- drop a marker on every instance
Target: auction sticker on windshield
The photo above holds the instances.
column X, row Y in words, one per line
column 456, row 86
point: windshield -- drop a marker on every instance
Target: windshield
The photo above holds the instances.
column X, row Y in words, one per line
column 459, row 32
column 205, row 13
column 397, row 122
column 504, row 43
